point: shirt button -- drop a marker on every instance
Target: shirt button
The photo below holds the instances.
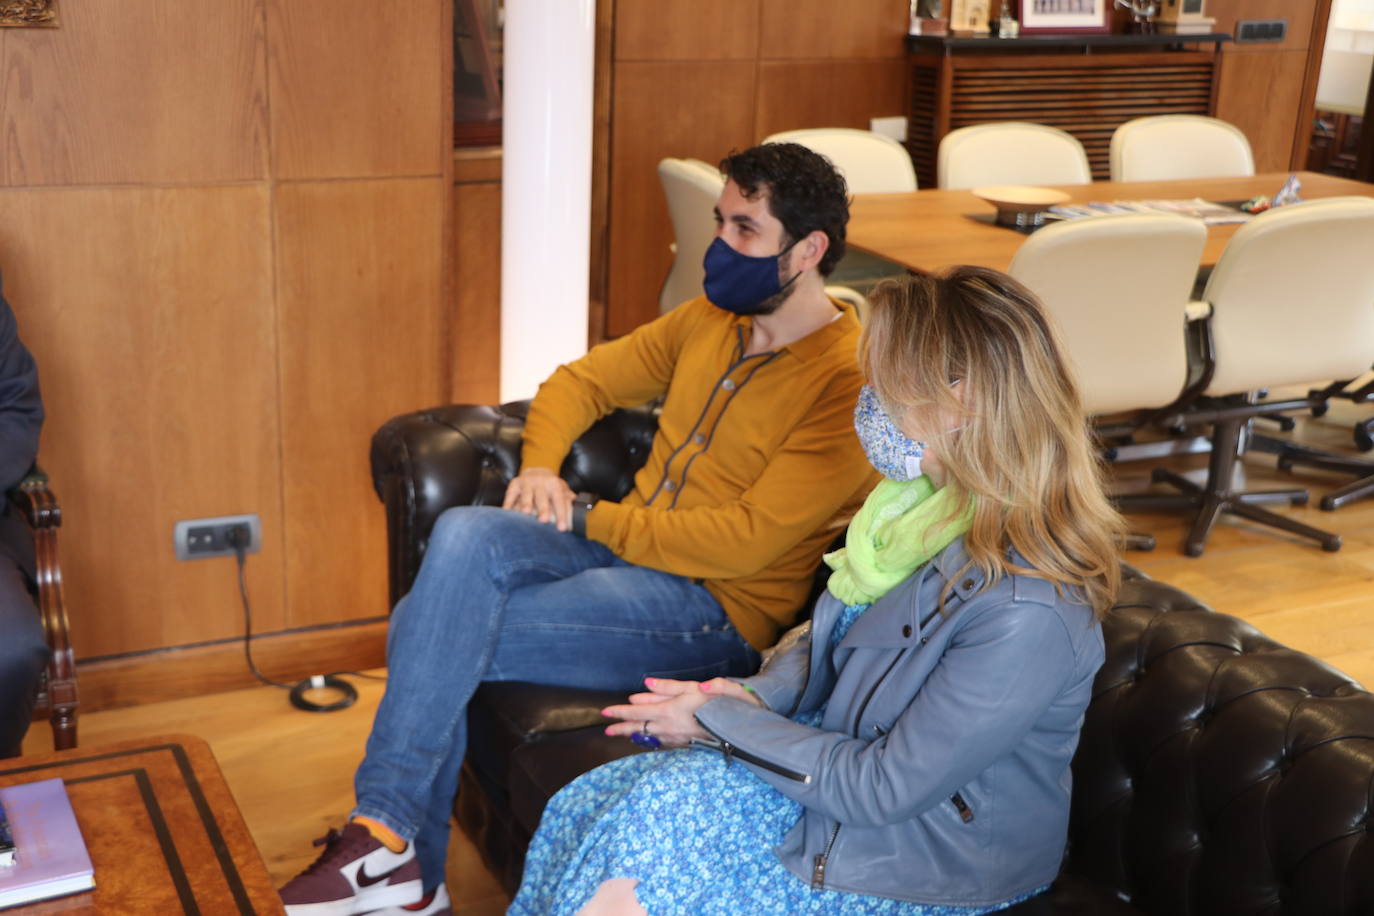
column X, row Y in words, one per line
column 906, row 631
column 728, row 384
column 669, row 486
column 698, row 438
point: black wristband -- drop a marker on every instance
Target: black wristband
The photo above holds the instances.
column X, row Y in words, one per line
column 582, row 504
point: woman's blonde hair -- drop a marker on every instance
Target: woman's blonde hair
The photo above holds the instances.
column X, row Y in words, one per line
column 1011, row 435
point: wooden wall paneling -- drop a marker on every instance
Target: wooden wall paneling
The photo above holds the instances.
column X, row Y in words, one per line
column 823, row 28
column 354, row 88
column 1299, row 14
column 150, row 315
column 686, row 29
column 135, row 91
column 359, row 295
column 685, row 109
column 822, row 93
column 1262, row 94
column 477, row 307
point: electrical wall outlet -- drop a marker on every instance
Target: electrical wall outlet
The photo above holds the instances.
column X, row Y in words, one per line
column 200, row 538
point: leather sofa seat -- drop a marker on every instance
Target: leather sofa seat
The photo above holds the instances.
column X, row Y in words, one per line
column 1218, row 771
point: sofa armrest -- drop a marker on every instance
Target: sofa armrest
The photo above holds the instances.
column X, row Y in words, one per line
column 465, row 455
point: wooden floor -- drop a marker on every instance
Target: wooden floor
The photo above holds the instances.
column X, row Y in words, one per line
column 291, row 771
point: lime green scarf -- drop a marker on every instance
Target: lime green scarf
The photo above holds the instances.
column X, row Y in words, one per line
column 895, row 532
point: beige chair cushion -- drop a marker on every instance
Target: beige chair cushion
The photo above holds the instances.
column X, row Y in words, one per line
column 870, row 163
column 1117, row 287
column 692, row 188
column 1293, row 297
column 1171, row 147
column 1011, row 152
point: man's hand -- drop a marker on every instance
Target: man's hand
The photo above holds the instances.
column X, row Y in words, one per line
column 669, row 709
column 543, row 494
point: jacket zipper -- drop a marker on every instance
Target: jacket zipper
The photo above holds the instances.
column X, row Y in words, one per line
column 731, row 752
column 818, row 864
column 965, row 812
column 863, row 707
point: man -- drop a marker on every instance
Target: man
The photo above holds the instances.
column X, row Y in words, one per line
column 23, row 651
column 754, row 469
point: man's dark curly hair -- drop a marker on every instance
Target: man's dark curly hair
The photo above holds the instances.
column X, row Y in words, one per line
column 805, row 192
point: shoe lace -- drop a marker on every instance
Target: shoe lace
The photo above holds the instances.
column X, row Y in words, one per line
column 336, row 846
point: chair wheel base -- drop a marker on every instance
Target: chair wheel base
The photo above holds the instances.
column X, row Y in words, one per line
column 1331, row 545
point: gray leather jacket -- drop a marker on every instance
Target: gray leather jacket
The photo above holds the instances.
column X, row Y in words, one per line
column 940, row 773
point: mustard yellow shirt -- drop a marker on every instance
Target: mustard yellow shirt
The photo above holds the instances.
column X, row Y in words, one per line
column 755, row 467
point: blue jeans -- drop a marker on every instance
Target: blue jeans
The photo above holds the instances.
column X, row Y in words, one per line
column 501, row 597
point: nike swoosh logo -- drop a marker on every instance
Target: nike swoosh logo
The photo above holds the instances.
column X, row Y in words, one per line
column 366, row 880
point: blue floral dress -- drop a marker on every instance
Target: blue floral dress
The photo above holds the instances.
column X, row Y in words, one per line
column 697, row 834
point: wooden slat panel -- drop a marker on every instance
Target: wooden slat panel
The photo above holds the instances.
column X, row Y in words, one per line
column 686, row 29
column 1262, row 95
column 358, row 88
column 1088, row 97
column 797, row 94
column 921, row 140
column 793, row 29
column 150, row 315
column 477, row 307
column 359, row 292
column 131, row 91
column 683, row 109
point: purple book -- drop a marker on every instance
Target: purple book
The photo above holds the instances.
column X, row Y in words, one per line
column 50, row 856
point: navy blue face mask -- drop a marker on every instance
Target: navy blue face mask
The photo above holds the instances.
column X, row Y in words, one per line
column 739, row 283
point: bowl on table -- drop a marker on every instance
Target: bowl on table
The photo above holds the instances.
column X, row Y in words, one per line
column 1020, row 206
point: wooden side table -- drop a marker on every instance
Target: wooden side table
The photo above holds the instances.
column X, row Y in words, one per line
column 162, row 828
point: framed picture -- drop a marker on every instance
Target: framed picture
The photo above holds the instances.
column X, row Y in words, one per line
column 968, row 15
column 1047, row 17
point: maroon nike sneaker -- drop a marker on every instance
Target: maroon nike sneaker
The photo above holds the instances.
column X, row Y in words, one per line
column 356, row 873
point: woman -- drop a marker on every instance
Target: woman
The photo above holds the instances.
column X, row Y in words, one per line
column 911, row 754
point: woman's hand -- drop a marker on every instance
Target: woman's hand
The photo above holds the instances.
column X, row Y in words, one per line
column 543, row 494
column 669, row 709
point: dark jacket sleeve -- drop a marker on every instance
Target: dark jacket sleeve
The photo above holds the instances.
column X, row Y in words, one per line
column 21, row 407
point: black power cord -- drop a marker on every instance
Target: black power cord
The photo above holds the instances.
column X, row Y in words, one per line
column 238, row 539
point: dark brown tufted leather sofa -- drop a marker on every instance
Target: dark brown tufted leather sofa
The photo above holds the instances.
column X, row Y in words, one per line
column 1218, row 772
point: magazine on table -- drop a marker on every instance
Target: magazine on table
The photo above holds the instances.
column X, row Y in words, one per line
column 47, row 856
column 1213, row 214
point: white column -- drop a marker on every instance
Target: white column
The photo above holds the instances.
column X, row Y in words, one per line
column 546, row 188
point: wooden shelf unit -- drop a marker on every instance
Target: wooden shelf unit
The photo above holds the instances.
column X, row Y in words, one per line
column 1087, row 94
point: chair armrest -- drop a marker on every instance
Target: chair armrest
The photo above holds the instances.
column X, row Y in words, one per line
column 35, row 500
column 38, row 506
column 465, row 455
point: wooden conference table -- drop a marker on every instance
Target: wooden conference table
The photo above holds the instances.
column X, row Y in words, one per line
column 931, row 230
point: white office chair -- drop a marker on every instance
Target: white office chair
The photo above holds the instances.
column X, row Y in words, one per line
column 1171, row 147
column 692, row 188
column 869, row 162
column 1117, row 287
column 1292, row 303
column 1011, row 152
